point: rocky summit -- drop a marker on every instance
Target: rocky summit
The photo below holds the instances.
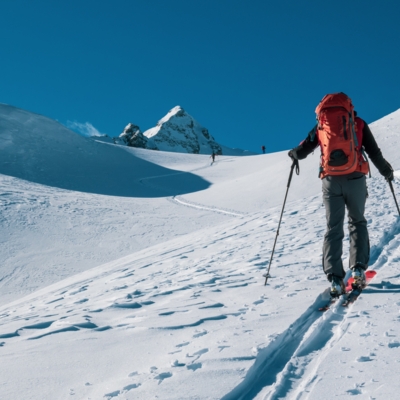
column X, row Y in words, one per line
column 177, row 132
column 132, row 136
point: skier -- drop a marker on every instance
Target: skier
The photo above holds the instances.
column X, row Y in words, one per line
column 343, row 184
column 263, row 149
column 213, row 157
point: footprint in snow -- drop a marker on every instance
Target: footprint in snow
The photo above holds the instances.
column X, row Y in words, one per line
column 216, row 305
column 194, row 366
column 364, row 359
column 81, row 301
column 354, row 392
column 162, row 376
column 176, row 363
column 130, row 387
column 55, row 300
column 82, row 289
column 199, row 334
column 112, row 394
column 182, row 344
column 197, row 355
column 200, row 352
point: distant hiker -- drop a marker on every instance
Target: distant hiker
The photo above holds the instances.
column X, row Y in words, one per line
column 213, row 157
column 263, row 149
column 343, row 137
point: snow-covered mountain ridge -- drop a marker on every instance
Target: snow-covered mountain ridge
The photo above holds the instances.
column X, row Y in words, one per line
column 159, row 293
column 176, row 132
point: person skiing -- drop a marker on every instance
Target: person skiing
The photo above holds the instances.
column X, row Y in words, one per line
column 343, row 184
column 263, row 149
column 213, row 157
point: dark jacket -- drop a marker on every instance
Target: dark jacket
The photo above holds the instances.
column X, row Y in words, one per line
column 369, row 144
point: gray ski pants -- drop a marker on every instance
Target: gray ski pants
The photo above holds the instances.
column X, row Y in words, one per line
column 341, row 192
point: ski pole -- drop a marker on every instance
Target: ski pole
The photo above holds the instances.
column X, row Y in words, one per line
column 295, row 164
column 394, row 196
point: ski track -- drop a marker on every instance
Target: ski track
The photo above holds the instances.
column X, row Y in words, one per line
column 180, row 200
column 184, row 202
column 288, row 367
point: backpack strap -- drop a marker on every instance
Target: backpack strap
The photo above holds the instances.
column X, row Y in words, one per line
column 352, row 124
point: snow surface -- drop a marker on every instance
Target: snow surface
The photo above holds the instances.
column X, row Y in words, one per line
column 134, row 274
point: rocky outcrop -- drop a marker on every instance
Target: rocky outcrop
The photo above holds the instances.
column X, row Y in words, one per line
column 133, row 136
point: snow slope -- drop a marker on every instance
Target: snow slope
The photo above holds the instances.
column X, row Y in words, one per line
column 141, row 277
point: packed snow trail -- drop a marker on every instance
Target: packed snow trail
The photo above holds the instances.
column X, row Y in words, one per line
column 273, row 359
column 289, row 366
column 181, row 201
column 158, row 182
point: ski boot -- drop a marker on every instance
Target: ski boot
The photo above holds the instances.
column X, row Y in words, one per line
column 337, row 287
column 358, row 274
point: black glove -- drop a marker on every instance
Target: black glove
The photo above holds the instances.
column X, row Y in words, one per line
column 387, row 172
column 292, row 154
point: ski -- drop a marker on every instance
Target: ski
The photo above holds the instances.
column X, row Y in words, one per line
column 328, row 305
column 352, row 294
column 352, row 297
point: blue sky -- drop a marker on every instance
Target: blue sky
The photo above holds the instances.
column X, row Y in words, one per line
column 250, row 71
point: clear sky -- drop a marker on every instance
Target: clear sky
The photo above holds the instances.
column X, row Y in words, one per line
column 251, row 71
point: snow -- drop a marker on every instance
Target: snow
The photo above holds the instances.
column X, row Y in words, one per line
column 137, row 274
column 179, row 132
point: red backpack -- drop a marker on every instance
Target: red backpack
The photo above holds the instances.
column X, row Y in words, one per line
column 341, row 152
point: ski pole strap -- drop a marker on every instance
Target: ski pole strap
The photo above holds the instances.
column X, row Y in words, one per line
column 295, row 164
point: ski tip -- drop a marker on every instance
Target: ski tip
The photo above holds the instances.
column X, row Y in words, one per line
column 370, row 273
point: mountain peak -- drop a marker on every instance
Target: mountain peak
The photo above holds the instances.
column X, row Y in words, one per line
column 177, row 111
column 179, row 132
